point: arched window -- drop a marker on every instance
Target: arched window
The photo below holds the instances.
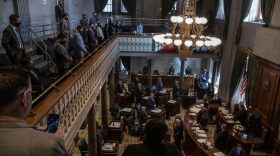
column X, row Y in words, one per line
column 220, row 12
column 123, row 9
column 109, row 6
column 255, row 14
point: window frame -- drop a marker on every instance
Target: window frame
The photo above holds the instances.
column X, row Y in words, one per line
column 223, row 9
column 257, row 19
column 112, row 8
column 120, row 8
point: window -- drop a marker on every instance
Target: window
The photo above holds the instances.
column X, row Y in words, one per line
column 109, row 6
column 255, row 14
column 221, row 11
column 174, row 8
column 123, row 9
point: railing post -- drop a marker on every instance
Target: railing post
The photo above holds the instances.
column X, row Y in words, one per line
column 43, row 30
column 31, row 39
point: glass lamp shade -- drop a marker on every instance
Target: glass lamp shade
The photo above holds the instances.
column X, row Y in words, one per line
column 161, row 40
column 168, row 34
column 203, row 20
column 177, row 35
column 208, row 43
column 199, row 43
column 188, row 43
column 178, row 42
column 215, row 41
column 189, row 21
column 193, row 36
column 168, row 41
column 180, row 19
column 197, row 20
column 173, row 19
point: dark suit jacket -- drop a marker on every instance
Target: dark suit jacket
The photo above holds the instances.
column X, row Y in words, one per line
column 138, row 94
column 159, row 86
column 62, row 58
column 151, row 103
column 18, row 138
column 11, row 44
column 59, row 11
column 178, row 131
column 171, row 71
column 233, row 152
column 144, row 150
column 220, row 142
column 175, row 91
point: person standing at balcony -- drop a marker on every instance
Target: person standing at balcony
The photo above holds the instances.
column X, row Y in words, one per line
column 12, row 41
column 99, row 32
column 64, row 28
column 62, row 58
column 79, row 47
column 94, row 20
column 59, row 11
column 139, row 28
column 17, row 137
column 92, row 40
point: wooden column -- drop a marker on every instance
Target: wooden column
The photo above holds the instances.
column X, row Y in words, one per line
column 104, row 105
column 149, row 82
column 117, row 70
column 112, row 86
column 182, row 71
column 92, row 141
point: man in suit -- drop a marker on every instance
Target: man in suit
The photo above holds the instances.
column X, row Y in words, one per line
column 92, row 40
column 153, row 145
column 203, row 116
column 175, row 90
column 241, row 115
column 12, row 41
column 159, row 84
column 151, row 102
column 237, row 151
column 17, row 137
column 204, row 76
column 62, row 58
column 171, row 70
column 188, row 71
column 221, row 138
column 94, row 20
column 79, row 48
column 178, row 132
column 59, row 11
column 64, row 28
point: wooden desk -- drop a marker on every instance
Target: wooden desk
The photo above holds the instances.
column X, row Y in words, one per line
column 124, row 100
column 234, row 138
column 160, row 115
column 115, row 132
column 114, row 152
column 187, row 101
column 191, row 146
column 127, row 111
column 172, row 108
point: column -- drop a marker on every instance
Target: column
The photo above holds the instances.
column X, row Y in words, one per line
column 182, row 71
column 149, row 82
column 92, row 141
column 104, row 109
column 117, row 69
column 112, row 86
column 214, row 71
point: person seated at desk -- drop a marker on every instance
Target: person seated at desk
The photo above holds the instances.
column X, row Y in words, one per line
column 221, row 138
column 139, row 93
column 204, row 76
column 178, row 131
column 237, row 151
column 188, row 71
column 153, row 145
column 120, row 88
column 151, row 102
column 142, row 115
column 159, row 84
column 171, row 70
column 175, row 90
column 241, row 115
column 203, row 116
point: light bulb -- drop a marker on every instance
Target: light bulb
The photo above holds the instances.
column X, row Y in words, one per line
column 189, row 21
column 177, row 35
column 203, row 20
column 168, row 41
column 193, row 36
column 168, row 34
column 188, row 43
column 197, row 20
column 208, row 43
column 180, row 19
column 215, row 41
column 173, row 19
column 199, row 43
column 177, row 42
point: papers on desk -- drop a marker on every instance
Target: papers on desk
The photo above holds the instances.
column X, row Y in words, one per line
column 192, row 114
column 156, row 110
column 126, row 110
column 224, row 111
column 201, row 135
column 162, row 92
column 146, row 97
column 230, row 121
column 228, row 116
column 172, row 101
column 201, row 140
column 195, row 128
column 200, row 131
column 115, row 125
column 194, row 110
column 219, row 154
column 108, row 147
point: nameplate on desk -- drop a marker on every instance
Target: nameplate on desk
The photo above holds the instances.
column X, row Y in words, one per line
column 172, row 101
column 156, row 110
column 126, row 110
column 115, row 125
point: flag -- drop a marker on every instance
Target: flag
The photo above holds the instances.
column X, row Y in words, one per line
column 244, row 83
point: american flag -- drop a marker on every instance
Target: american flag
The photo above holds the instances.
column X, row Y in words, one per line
column 244, row 83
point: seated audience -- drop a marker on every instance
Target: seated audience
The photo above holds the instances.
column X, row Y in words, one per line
column 221, row 138
column 178, row 128
column 151, row 102
column 159, row 84
column 17, row 137
column 142, row 115
column 242, row 115
column 79, row 48
column 36, row 82
column 153, row 145
column 171, row 70
column 120, row 88
column 203, row 116
column 237, row 151
column 175, row 90
column 188, row 71
column 62, row 58
column 139, row 93
column 92, row 40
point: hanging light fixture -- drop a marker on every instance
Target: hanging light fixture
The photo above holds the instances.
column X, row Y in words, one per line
column 187, row 31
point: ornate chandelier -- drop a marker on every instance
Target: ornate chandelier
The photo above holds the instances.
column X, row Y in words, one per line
column 187, row 31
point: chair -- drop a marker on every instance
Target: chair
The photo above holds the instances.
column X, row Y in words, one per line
column 260, row 141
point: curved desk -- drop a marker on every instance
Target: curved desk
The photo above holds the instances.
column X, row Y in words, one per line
column 191, row 145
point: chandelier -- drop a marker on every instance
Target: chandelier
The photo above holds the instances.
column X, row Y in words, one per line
column 186, row 31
